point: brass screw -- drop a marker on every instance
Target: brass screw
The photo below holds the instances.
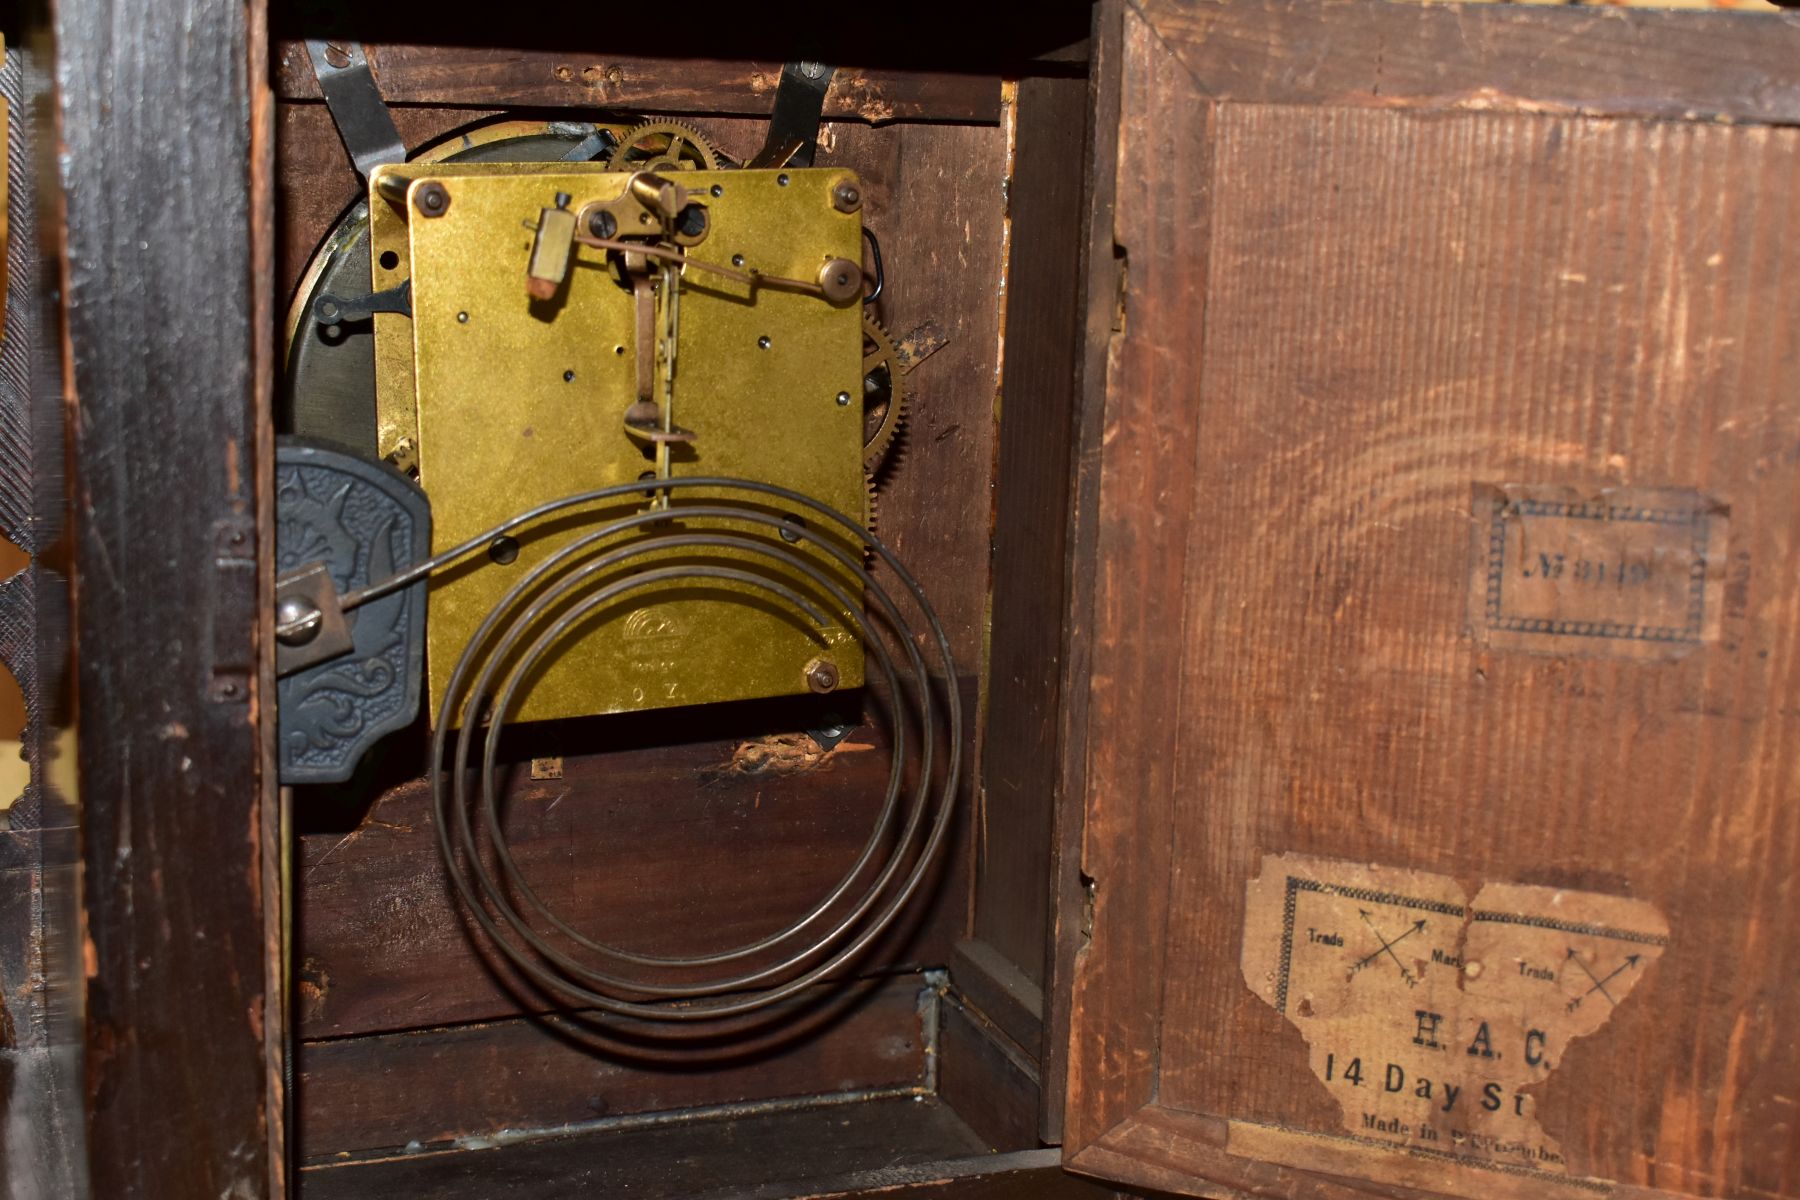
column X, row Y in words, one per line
column 846, row 197
column 432, row 198
column 822, row 675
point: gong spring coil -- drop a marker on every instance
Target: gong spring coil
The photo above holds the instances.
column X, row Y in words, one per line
column 583, row 578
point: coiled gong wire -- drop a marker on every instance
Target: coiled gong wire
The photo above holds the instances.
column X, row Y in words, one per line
column 819, row 946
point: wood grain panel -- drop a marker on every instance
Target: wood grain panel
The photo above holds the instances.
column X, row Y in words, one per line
column 940, row 213
column 1101, row 274
column 1012, row 902
column 989, row 981
column 1403, row 306
column 161, row 120
column 665, row 849
column 1145, row 482
column 430, row 1088
column 531, row 78
column 1623, row 62
column 987, row 1078
column 1400, row 306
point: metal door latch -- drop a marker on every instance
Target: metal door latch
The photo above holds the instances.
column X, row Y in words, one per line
column 344, row 680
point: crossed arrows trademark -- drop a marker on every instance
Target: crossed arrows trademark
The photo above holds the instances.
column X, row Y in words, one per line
column 1387, row 947
column 1631, row 961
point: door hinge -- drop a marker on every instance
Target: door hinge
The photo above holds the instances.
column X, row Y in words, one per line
column 231, row 634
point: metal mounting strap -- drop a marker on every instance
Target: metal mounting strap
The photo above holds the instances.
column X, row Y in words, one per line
column 357, row 109
column 793, row 137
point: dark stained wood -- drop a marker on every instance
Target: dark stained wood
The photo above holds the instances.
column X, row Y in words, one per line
column 759, row 1151
column 1100, row 291
column 19, row 989
column 438, row 1086
column 667, row 848
column 994, row 984
column 1596, row 61
column 1022, row 1175
column 936, row 199
column 156, row 124
column 487, row 78
column 1399, row 306
column 987, row 1078
column 1027, row 1175
column 1013, row 888
column 874, row 1151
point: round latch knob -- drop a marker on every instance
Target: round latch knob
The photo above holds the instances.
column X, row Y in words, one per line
column 297, row 620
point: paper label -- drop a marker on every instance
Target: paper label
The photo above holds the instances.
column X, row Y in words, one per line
column 1433, row 1019
column 1633, row 572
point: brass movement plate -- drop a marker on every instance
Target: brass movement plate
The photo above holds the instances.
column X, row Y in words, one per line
column 390, row 265
column 519, row 402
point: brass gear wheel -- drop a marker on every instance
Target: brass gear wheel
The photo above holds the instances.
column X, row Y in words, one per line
column 664, row 146
column 884, row 393
column 869, row 502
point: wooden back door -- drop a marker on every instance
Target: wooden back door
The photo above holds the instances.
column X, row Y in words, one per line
column 1436, row 728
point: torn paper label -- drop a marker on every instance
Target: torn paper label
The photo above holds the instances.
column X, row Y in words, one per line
column 1434, row 1019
